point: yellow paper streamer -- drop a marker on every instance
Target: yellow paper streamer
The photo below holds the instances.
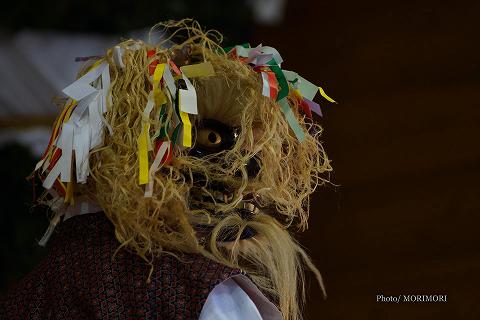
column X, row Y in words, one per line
column 298, row 93
column 204, row 69
column 158, row 94
column 64, row 116
column 322, row 92
column 69, row 194
column 187, row 129
column 142, row 143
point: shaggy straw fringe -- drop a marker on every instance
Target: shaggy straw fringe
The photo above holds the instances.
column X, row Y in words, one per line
column 290, row 170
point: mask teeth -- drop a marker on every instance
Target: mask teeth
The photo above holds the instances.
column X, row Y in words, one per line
column 249, row 206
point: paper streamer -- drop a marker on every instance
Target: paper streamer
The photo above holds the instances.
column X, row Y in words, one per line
column 187, row 130
column 81, row 206
column 170, row 81
column 273, row 52
column 242, row 50
column 82, row 87
column 143, row 141
column 323, row 94
column 291, row 76
column 306, row 88
column 118, row 56
column 153, row 64
column 270, row 86
column 204, row 69
column 148, row 108
column 81, row 145
column 142, row 144
column 188, row 105
column 188, row 98
column 158, row 94
column 56, row 127
column 315, row 107
column 162, row 151
column 66, row 144
column 291, row 119
column 174, row 67
column 53, row 223
column 282, row 82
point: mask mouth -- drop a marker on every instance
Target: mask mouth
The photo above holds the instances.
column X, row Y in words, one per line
column 209, row 199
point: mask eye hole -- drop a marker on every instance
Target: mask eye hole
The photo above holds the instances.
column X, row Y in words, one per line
column 209, row 138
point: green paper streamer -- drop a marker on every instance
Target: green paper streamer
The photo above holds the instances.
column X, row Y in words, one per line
column 175, row 134
column 307, row 89
column 282, row 81
column 292, row 121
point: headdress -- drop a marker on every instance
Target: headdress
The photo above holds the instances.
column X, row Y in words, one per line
column 190, row 146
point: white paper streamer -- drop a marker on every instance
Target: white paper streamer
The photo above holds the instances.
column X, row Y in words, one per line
column 188, row 98
column 83, row 86
column 164, row 148
column 167, row 75
column 265, row 85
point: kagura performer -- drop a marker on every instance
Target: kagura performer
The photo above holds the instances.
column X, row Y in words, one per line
column 174, row 176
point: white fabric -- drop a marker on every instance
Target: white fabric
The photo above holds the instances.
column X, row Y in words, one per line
column 238, row 298
column 228, row 301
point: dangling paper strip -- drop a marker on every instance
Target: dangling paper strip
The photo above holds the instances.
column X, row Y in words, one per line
column 51, row 227
column 149, row 139
column 118, row 56
column 174, row 137
column 142, row 143
column 188, row 105
column 187, row 130
column 82, row 206
column 315, row 107
column 188, row 98
column 174, row 67
column 170, row 81
column 270, row 50
column 325, row 95
column 290, row 75
column 63, row 166
column 282, row 81
column 69, row 194
column 308, row 89
column 242, row 50
column 270, row 86
column 291, row 119
column 204, row 69
column 82, row 87
column 306, row 108
column 153, row 64
column 66, row 144
column 81, row 145
column 53, row 137
column 162, row 151
column 303, row 105
column 60, row 187
column 158, row 94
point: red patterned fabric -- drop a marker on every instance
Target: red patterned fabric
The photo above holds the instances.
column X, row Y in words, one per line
column 79, row 280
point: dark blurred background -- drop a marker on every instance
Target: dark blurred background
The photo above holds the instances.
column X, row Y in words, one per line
column 403, row 138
